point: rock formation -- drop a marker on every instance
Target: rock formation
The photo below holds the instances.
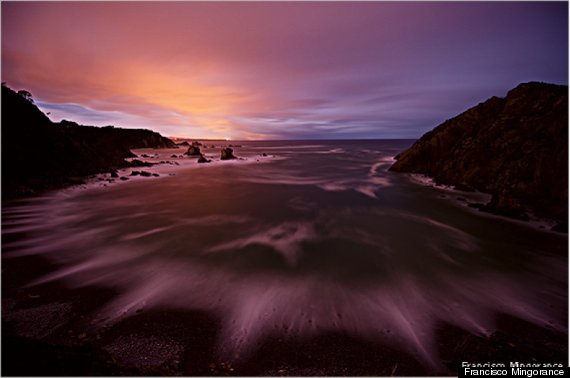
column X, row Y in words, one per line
column 38, row 154
column 202, row 159
column 193, row 151
column 227, row 154
column 515, row 148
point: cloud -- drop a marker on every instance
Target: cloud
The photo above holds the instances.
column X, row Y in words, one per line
column 278, row 70
column 57, row 112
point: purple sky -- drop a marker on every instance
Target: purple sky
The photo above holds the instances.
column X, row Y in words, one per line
column 278, row 70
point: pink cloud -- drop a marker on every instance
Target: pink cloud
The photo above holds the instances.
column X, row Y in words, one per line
column 206, row 69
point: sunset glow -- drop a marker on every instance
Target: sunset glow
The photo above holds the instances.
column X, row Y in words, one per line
column 271, row 188
column 277, row 70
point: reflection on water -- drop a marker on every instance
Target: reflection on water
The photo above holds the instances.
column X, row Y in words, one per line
column 322, row 238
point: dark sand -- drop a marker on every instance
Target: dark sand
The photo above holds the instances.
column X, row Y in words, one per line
column 46, row 331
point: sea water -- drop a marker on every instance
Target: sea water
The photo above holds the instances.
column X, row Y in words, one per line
column 297, row 239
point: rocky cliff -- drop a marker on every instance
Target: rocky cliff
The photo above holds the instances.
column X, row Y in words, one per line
column 38, row 154
column 515, row 148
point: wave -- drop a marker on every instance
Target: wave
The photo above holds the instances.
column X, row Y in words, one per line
column 285, row 238
column 348, row 270
column 276, row 259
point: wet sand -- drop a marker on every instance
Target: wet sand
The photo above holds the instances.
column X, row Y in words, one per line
column 322, row 235
column 170, row 342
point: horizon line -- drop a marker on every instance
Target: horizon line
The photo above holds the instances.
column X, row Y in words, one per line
column 289, row 140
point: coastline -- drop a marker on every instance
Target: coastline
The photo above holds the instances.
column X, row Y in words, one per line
column 64, row 315
column 472, row 201
column 76, row 347
column 163, row 165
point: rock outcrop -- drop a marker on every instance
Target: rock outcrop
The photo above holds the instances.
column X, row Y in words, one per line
column 193, row 151
column 227, row 154
column 515, row 148
column 38, row 154
column 203, row 159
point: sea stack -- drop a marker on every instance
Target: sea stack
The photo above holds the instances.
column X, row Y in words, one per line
column 203, row 159
column 515, row 148
column 193, row 151
column 227, row 154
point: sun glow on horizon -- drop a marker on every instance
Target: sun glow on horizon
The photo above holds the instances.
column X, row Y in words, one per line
column 249, row 70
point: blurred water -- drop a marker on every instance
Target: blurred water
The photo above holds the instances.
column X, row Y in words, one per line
column 315, row 237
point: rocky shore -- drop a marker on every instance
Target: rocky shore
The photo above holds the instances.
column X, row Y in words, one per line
column 38, row 154
column 514, row 148
column 53, row 328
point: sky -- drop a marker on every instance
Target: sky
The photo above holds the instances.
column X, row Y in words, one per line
column 278, row 70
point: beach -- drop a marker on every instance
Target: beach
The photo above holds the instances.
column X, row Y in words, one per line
column 297, row 258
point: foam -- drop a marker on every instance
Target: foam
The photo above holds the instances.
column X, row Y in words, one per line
column 285, row 238
column 401, row 310
column 381, row 274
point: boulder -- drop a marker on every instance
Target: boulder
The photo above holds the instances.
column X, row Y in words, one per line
column 202, row 159
column 503, row 204
column 139, row 163
column 193, row 151
column 227, row 154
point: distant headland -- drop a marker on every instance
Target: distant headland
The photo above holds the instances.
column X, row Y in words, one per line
column 38, row 154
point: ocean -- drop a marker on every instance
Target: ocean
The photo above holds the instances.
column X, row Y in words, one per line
column 311, row 238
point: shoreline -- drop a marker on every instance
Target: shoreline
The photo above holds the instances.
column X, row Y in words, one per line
column 472, row 201
column 180, row 342
column 55, row 320
column 163, row 166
